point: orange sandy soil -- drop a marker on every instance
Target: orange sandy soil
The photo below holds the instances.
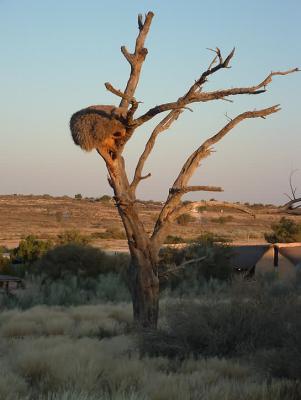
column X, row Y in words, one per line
column 46, row 217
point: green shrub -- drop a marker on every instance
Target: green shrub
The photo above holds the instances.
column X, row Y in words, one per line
column 110, row 233
column 30, row 249
column 200, row 209
column 105, row 198
column 284, row 231
column 171, row 239
column 72, row 237
column 223, row 219
column 81, row 261
column 3, row 249
column 210, row 238
column 68, row 291
column 212, row 263
column 5, row 265
column 185, row 219
column 78, row 196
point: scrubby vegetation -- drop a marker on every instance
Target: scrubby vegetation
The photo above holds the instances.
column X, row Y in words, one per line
column 185, row 219
column 110, row 233
column 30, row 249
column 69, row 334
column 223, row 219
column 234, row 341
column 284, row 231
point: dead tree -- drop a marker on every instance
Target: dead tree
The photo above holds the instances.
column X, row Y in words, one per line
column 293, row 206
column 109, row 128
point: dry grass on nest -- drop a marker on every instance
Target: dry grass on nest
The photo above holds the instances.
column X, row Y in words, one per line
column 97, row 127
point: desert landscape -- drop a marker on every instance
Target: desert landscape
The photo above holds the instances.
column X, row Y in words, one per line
column 106, row 294
column 46, row 217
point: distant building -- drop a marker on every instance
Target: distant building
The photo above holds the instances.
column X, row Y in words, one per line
column 281, row 258
column 245, row 258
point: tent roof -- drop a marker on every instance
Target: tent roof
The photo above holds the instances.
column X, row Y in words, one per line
column 246, row 257
column 292, row 253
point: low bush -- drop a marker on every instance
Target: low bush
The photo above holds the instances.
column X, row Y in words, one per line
column 72, row 237
column 110, row 233
column 80, row 261
column 171, row 239
column 185, row 219
column 69, row 291
column 105, row 198
column 228, row 329
column 5, row 265
column 210, row 238
column 212, row 263
column 30, row 249
column 284, row 231
column 223, row 219
column 284, row 360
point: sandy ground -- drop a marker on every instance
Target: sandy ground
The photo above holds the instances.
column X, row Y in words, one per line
column 46, row 217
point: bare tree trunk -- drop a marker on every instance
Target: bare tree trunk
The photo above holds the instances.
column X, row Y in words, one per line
column 143, row 269
column 144, row 285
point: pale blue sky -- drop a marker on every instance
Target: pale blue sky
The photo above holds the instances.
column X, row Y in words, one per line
column 56, row 55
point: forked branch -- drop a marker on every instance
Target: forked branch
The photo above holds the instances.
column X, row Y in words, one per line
column 293, row 189
column 196, row 95
column 137, row 58
column 189, row 189
column 173, row 207
column 161, row 127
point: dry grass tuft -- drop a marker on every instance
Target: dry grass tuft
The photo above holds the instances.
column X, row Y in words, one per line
column 90, row 320
column 45, row 354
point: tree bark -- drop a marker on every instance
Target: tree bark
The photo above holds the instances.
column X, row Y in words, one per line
column 144, row 286
column 143, row 269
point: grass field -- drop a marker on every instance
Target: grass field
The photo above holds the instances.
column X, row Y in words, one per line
column 59, row 353
column 221, row 345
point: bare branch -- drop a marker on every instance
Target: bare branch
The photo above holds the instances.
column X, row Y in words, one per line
column 257, row 89
column 117, row 92
column 293, row 189
column 165, row 275
column 187, row 207
column 205, row 149
column 133, row 101
column 189, row 167
column 289, row 206
column 188, row 189
column 194, row 95
column 137, row 58
column 161, row 127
